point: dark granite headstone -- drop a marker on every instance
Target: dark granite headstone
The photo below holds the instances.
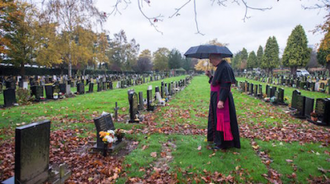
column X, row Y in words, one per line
column 260, row 94
column 32, row 153
column 141, row 104
column 309, row 106
column 62, row 88
column 99, row 87
column 322, row 110
column 251, row 89
column 91, row 87
column 300, row 107
column 102, row 123
column 49, row 91
column 280, row 97
column 150, row 107
column 9, row 97
column 295, row 94
column 255, row 90
column 133, row 106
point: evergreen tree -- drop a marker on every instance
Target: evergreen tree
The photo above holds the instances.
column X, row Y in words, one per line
column 296, row 52
column 175, row 59
column 260, row 53
column 270, row 59
column 252, row 60
column 236, row 61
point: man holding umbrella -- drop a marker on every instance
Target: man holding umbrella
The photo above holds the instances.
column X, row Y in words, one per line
column 222, row 121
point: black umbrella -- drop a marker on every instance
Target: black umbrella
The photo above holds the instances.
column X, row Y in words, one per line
column 204, row 51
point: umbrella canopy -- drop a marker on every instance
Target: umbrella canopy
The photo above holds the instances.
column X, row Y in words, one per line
column 204, row 51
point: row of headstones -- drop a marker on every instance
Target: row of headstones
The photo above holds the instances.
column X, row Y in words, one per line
column 300, row 82
column 167, row 90
column 58, row 90
column 42, row 80
column 32, row 144
column 53, row 91
column 304, row 106
column 256, row 91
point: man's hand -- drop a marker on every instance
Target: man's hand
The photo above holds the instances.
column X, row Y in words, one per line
column 208, row 73
column 220, row 105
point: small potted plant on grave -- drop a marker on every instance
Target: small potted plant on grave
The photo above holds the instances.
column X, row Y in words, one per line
column 55, row 96
column 108, row 139
column 313, row 116
column 286, row 99
column 120, row 134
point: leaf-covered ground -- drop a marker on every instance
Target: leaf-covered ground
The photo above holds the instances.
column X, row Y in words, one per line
column 169, row 145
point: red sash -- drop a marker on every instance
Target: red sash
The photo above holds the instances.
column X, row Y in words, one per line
column 223, row 117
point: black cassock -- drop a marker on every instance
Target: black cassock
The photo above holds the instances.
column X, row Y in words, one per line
column 222, row 123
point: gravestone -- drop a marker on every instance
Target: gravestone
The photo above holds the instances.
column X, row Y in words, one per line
column 300, row 107
column 49, row 91
column 267, row 90
column 309, row 107
column 312, row 86
column 295, row 94
column 150, row 107
column 102, row 123
column 91, row 87
column 141, row 104
column 169, row 89
column 322, row 87
column 9, row 97
column 80, row 88
column 272, row 91
column 260, row 95
column 37, row 92
column 255, row 90
column 280, row 97
column 32, row 156
column 251, row 89
column 322, row 110
column 162, row 90
column 62, row 88
column 99, row 87
column 133, row 107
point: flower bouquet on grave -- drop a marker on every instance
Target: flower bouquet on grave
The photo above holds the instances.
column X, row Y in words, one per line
column 120, row 134
column 313, row 116
column 108, row 139
column 273, row 100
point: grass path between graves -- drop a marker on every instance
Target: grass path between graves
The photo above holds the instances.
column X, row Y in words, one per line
column 169, row 145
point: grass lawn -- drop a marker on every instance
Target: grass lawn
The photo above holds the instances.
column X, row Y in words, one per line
column 170, row 144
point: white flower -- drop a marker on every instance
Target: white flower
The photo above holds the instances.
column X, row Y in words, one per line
column 109, row 139
column 111, row 132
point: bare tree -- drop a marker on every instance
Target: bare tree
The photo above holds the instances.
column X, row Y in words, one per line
column 154, row 19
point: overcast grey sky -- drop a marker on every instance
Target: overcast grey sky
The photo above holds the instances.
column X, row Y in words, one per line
column 223, row 23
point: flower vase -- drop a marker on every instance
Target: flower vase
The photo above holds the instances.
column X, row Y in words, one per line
column 105, row 149
column 313, row 118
